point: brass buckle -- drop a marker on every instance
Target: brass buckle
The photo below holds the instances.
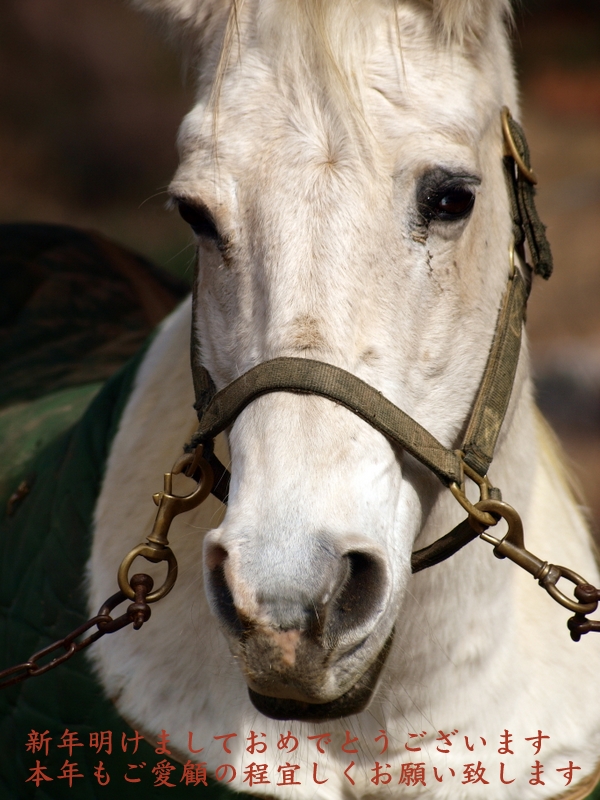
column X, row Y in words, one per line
column 525, row 171
column 156, row 548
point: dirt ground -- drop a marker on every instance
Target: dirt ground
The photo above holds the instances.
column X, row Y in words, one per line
column 90, row 102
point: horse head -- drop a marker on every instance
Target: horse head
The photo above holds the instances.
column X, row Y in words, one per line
column 342, row 171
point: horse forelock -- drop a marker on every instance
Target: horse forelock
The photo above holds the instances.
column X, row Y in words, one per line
column 318, row 54
column 327, row 34
column 458, row 18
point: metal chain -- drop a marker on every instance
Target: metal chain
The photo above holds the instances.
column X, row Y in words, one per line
column 136, row 614
column 139, row 587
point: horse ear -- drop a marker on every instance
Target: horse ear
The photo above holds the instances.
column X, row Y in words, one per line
column 464, row 19
column 189, row 13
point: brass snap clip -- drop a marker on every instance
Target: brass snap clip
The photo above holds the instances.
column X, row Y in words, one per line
column 156, row 548
column 512, row 546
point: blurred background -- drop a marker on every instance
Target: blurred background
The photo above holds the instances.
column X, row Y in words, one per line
column 91, row 98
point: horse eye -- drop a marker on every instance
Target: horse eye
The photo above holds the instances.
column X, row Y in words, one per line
column 200, row 221
column 448, row 205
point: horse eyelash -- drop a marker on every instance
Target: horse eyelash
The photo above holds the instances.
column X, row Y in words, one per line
column 437, row 184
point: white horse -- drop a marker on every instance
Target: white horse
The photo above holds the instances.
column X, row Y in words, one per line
column 342, row 169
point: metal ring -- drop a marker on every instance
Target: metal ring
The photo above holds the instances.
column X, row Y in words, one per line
column 482, row 481
column 525, row 171
column 549, row 583
column 155, row 555
column 500, row 510
column 511, row 261
column 482, row 517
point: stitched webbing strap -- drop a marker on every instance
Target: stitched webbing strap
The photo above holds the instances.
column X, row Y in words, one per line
column 305, row 376
column 527, row 225
column 496, row 386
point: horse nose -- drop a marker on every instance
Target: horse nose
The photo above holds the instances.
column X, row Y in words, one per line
column 335, row 600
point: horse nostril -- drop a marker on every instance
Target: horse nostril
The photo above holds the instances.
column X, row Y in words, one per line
column 219, row 592
column 216, row 556
column 360, row 598
column 339, row 617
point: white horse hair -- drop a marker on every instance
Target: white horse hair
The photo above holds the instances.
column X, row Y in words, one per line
column 320, row 132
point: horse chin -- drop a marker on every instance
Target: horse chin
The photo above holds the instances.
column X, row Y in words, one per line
column 353, row 701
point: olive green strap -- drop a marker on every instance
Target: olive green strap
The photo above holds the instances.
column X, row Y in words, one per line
column 497, row 382
column 496, row 386
column 305, row 376
column 521, row 181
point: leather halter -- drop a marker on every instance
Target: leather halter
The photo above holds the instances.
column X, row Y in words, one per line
column 217, row 410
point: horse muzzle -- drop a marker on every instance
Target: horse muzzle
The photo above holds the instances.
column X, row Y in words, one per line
column 315, row 649
column 289, row 704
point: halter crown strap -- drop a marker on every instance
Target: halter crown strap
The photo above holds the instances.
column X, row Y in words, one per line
column 521, row 182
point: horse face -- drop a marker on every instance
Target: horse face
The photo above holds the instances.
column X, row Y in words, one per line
column 349, row 207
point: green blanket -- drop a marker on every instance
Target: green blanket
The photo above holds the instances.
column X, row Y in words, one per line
column 44, row 546
column 53, row 457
